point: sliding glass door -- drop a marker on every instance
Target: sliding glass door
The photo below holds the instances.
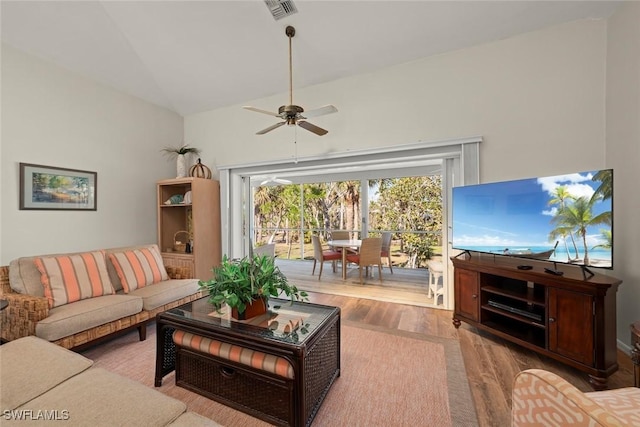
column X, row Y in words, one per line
column 456, row 162
column 408, row 207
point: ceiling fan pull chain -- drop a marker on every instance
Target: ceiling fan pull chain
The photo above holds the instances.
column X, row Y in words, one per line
column 295, row 145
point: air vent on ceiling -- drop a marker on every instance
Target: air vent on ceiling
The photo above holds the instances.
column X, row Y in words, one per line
column 281, row 8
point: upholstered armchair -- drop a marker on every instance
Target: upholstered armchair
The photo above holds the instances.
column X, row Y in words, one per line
column 541, row 398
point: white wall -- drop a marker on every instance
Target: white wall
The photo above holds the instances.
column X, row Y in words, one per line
column 623, row 154
column 53, row 117
column 537, row 99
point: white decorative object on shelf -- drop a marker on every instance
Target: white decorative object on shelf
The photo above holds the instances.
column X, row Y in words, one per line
column 180, row 153
column 187, row 198
column 181, row 166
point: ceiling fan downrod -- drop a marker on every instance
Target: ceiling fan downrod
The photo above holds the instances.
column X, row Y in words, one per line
column 292, row 114
column 290, row 32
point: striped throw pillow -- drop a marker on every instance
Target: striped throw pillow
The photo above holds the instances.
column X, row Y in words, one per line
column 69, row 278
column 138, row 268
column 256, row 359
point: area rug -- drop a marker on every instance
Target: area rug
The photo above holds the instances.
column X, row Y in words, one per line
column 388, row 378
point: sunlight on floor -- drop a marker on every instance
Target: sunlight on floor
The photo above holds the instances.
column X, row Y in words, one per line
column 404, row 286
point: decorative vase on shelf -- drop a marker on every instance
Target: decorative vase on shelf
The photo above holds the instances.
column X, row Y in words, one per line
column 200, row 171
column 180, row 154
column 181, row 166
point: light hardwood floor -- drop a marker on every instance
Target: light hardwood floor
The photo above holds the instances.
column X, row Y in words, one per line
column 490, row 362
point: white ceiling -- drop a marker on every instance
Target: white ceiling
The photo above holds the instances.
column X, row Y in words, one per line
column 194, row 56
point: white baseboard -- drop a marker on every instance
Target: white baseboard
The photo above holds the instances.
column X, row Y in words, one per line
column 624, row 347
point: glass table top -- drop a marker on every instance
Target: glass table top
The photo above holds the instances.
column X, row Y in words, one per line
column 284, row 322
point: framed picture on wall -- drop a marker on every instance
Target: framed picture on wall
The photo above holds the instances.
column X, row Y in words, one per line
column 53, row 188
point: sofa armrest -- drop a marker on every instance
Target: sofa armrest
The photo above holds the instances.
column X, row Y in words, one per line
column 543, row 398
column 23, row 312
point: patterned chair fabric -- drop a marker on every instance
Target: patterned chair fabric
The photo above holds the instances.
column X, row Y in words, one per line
column 541, row 398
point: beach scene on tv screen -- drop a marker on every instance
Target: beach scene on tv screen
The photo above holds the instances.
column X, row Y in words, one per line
column 563, row 218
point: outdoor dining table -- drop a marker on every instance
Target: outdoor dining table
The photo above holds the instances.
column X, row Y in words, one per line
column 345, row 244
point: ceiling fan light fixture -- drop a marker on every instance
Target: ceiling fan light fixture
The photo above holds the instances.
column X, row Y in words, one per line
column 292, row 114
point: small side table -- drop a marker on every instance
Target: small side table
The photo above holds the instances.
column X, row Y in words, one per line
column 635, row 352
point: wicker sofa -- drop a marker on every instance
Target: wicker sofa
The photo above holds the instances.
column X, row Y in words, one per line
column 42, row 383
column 81, row 322
column 543, row 398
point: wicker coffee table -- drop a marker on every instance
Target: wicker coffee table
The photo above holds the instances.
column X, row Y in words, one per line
column 302, row 337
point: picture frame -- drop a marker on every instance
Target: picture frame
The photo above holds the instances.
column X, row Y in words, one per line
column 54, row 188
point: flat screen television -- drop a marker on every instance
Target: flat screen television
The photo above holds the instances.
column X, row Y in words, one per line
column 564, row 218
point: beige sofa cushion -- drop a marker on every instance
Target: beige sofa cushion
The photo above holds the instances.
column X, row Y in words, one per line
column 191, row 419
column 100, row 398
column 79, row 316
column 24, row 277
column 159, row 294
column 31, row 366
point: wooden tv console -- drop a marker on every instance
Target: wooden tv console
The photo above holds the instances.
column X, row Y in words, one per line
column 570, row 318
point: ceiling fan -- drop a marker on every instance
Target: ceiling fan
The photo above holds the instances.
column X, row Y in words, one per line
column 275, row 180
column 293, row 114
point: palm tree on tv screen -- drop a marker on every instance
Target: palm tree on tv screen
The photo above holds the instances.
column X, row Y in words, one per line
column 579, row 216
column 605, row 189
column 607, row 240
column 559, row 197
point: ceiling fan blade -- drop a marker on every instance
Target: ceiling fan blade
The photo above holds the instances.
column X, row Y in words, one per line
column 327, row 109
column 258, row 110
column 270, row 128
column 312, row 128
column 274, row 180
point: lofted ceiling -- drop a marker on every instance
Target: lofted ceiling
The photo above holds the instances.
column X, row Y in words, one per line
column 194, row 56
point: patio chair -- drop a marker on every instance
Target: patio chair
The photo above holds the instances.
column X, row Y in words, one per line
column 369, row 255
column 268, row 250
column 386, row 248
column 341, row 235
column 322, row 256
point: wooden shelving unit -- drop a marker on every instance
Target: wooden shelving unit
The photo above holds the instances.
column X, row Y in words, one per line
column 200, row 219
column 570, row 318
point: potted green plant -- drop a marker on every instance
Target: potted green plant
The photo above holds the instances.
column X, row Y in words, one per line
column 179, row 154
column 247, row 282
